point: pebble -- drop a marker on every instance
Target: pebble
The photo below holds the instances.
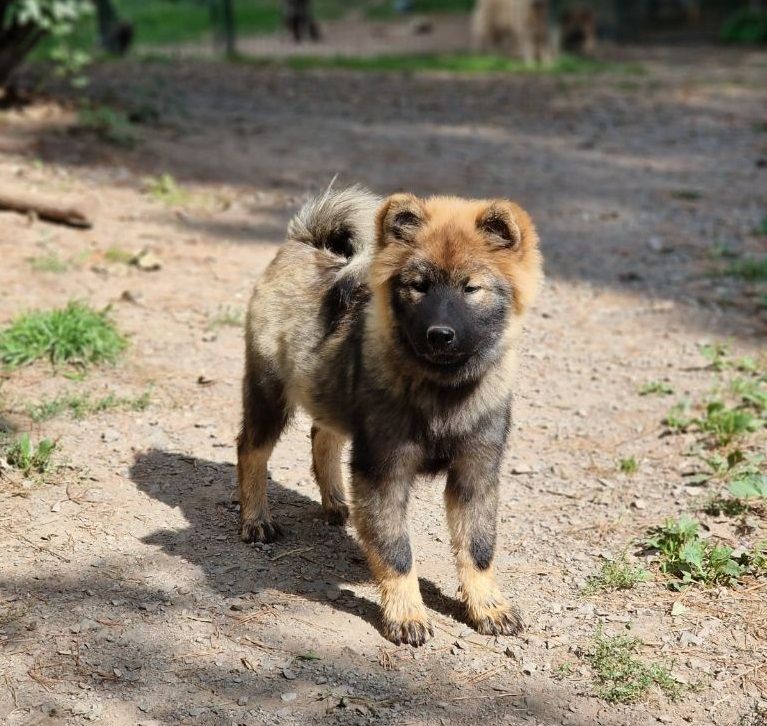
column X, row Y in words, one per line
column 289, row 674
column 242, row 701
column 289, row 696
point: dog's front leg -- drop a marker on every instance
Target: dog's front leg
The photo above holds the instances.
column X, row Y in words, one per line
column 381, row 490
column 471, row 497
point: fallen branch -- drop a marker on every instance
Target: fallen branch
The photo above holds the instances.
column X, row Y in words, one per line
column 61, row 212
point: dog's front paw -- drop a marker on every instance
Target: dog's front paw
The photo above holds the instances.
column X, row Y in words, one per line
column 496, row 619
column 260, row 530
column 412, row 631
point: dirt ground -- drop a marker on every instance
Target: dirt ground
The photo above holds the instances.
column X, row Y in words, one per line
column 126, row 596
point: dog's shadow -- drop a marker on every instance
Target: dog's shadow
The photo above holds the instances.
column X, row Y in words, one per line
column 314, row 560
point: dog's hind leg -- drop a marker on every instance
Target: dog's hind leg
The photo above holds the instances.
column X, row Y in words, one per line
column 326, row 465
column 265, row 415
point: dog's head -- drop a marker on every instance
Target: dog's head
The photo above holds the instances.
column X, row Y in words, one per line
column 451, row 278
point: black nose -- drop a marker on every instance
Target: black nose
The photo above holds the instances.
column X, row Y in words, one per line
column 440, row 336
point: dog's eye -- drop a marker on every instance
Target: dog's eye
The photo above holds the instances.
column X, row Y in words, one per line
column 469, row 289
column 418, row 285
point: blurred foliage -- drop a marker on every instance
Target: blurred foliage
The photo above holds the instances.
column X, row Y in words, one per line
column 746, row 26
column 24, row 23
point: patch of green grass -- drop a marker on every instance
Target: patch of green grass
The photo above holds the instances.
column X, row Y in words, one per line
column 457, row 63
column 563, row 670
column 75, row 334
column 119, row 256
column 629, row 465
column 716, row 354
column 110, row 124
column 752, row 269
column 165, row 189
column 226, row 316
column 689, row 559
column 80, row 405
column 621, row 677
column 24, row 456
column 49, row 262
column 618, row 574
column 726, row 423
column 656, row 388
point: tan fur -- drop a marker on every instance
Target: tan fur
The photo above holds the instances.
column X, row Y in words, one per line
column 326, row 463
column 251, row 479
column 519, row 28
column 487, row 609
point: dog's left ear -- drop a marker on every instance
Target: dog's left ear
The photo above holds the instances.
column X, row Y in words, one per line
column 499, row 225
column 399, row 219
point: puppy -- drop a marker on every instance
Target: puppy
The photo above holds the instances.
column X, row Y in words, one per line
column 518, row 28
column 394, row 324
column 578, row 27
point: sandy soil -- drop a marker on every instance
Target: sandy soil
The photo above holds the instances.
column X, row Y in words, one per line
column 125, row 594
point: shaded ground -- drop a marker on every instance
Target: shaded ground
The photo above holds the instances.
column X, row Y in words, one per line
column 126, row 595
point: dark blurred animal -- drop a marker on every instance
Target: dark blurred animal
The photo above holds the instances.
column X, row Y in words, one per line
column 518, row 28
column 299, row 19
column 116, row 35
column 578, row 29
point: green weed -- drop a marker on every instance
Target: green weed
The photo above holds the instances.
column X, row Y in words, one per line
column 50, row 262
column 618, row 574
column 688, row 559
column 750, row 269
column 74, row 334
column 110, row 124
column 716, row 354
column 23, row 455
column 656, row 388
column 165, row 189
column 725, row 423
column 118, row 256
column 227, row 316
column 621, row 677
column 629, row 465
column 80, row 405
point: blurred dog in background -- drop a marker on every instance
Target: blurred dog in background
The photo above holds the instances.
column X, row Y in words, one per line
column 578, row 29
column 518, row 28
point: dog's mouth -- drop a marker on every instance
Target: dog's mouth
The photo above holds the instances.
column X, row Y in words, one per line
column 445, row 361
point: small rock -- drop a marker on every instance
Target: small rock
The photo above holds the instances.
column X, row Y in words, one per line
column 242, row 701
column 639, row 504
column 290, row 696
column 110, row 435
column 332, row 594
column 147, row 261
column 678, row 609
column 143, row 706
column 289, row 674
column 197, row 711
column 528, row 668
column 688, row 638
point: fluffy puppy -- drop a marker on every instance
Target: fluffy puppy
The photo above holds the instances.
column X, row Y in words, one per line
column 519, row 28
column 394, row 324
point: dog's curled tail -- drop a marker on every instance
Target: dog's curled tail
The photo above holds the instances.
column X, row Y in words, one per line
column 341, row 221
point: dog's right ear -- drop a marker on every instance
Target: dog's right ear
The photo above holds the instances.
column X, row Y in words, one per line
column 399, row 219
